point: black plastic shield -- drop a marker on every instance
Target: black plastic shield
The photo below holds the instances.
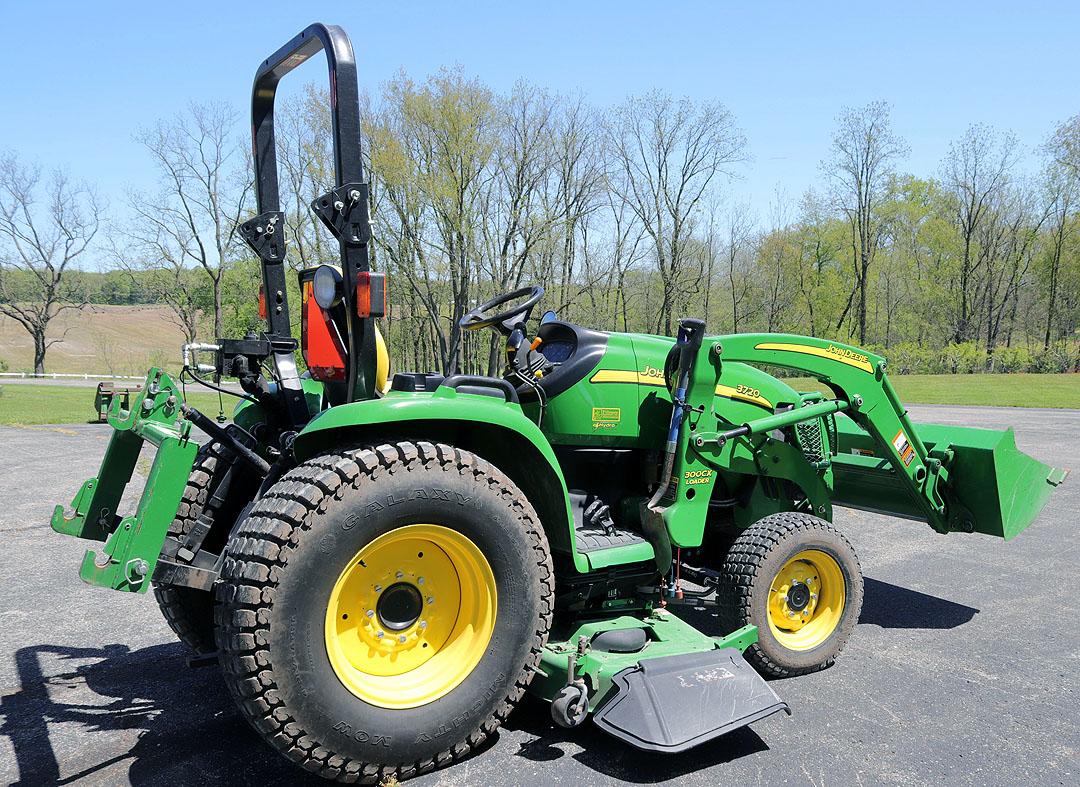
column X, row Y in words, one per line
column 674, row 703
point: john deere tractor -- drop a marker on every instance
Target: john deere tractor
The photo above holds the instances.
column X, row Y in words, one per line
column 383, row 566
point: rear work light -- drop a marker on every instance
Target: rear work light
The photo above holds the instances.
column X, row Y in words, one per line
column 320, row 340
column 370, row 294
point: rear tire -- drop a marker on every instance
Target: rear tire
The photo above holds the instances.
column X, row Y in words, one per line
column 798, row 580
column 293, row 598
column 190, row 612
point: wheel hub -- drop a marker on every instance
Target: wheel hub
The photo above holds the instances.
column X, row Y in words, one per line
column 798, row 596
column 400, row 606
column 410, row 616
column 806, row 600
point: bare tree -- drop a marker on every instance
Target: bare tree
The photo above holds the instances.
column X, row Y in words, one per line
column 432, row 157
column 39, row 242
column 738, row 237
column 1063, row 147
column 976, row 173
column 1061, row 185
column 150, row 260
column 667, row 153
column 205, row 187
column 864, row 151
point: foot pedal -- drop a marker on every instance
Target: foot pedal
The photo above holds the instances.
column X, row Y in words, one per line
column 673, row 703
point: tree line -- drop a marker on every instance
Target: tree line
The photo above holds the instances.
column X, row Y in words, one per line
column 624, row 214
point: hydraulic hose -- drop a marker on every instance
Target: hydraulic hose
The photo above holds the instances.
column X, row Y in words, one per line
column 687, row 342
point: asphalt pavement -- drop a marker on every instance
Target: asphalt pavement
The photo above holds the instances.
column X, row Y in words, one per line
column 963, row 668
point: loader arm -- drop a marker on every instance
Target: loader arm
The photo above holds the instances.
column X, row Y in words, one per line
column 864, row 393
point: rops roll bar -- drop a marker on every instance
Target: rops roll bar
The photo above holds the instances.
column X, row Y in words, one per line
column 344, row 210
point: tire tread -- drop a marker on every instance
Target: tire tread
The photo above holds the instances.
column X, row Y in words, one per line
column 250, row 575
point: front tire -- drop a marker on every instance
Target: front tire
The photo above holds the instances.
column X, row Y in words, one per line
column 383, row 609
column 798, row 580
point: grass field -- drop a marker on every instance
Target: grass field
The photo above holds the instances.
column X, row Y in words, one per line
column 61, row 404
column 25, row 404
column 998, row 390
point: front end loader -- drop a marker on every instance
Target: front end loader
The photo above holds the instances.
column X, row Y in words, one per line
column 383, row 566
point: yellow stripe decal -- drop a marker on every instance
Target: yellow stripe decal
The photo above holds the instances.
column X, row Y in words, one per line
column 734, row 393
column 626, row 376
column 837, row 354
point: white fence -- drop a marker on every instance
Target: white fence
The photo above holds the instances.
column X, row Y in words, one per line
column 59, row 376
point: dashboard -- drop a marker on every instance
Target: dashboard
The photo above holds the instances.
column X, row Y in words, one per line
column 557, row 350
column 571, row 350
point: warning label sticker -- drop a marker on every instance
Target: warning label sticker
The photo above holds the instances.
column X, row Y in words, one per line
column 903, row 447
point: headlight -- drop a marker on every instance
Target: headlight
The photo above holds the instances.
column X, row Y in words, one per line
column 327, row 286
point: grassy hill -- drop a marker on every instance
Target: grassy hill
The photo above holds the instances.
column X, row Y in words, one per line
column 98, row 340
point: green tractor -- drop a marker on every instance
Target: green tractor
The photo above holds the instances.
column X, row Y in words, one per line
column 383, row 567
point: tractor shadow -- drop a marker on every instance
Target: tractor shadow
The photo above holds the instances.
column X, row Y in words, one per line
column 183, row 727
column 894, row 607
column 186, row 729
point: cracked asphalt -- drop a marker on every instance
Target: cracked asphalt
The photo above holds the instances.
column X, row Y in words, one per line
column 963, row 668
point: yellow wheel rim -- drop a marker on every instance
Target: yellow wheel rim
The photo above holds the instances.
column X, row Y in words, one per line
column 806, row 600
column 410, row 616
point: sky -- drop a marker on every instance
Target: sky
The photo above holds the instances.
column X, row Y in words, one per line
column 80, row 78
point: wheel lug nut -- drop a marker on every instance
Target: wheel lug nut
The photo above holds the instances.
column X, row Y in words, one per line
column 402, row 638
column 423, row 624
column 399, row 574
column 379, row 635
column 371, row 613
column 378, row 588
column 419, row 580
column 431, row 599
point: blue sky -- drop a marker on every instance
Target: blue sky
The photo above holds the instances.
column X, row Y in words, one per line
column 80, row 78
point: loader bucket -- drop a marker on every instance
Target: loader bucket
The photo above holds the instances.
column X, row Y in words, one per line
column 1003, row 488
column 991, row 486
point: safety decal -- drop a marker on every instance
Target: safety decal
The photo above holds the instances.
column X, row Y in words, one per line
column 903, row 447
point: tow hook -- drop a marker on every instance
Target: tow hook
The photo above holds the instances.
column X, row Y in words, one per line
column 570, row 706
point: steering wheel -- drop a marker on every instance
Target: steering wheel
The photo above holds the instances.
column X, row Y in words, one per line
column 481, row 316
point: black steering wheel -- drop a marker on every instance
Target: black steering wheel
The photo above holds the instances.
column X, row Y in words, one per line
column 481, row 316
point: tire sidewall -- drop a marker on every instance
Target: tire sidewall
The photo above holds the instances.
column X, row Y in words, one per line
column 833, row 544
column 316, row 699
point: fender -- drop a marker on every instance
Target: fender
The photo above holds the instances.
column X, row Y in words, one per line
column 491, row 428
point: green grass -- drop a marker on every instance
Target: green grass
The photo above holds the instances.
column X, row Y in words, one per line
column 70, row 404
column 59, row 404
column 1000, row 390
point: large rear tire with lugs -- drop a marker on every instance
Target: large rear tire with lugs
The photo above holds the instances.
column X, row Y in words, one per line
column 190, row 612
column 382, row 609
column 798, row 579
